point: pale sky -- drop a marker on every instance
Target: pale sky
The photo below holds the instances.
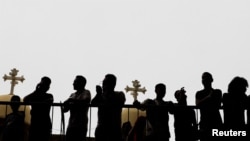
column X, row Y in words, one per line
column 153, row 41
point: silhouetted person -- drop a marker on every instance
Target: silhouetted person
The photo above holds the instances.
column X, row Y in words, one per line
column 209, row 102
column 78, row 105
column 40, row 126
column 126, row 128
column 137, row 133
column 157, row 113
column 248, row 117
column 14, row 122
column 110, row 105
column 234, row 104
column 184, row 118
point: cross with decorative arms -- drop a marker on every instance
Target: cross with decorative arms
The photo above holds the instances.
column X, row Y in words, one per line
column 14, row 79
column 135, row 89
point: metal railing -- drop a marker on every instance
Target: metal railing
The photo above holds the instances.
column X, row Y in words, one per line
column 60, row 120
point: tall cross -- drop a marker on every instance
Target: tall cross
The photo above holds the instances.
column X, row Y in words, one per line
column 135, row 89
column 14, row 79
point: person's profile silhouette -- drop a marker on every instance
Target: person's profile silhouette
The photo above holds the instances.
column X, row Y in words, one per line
column 157, row 113
column 109, row 104
column 209, row 101
column 235, row 103
column 40, row 125
column 78, row 105
column 184, row 118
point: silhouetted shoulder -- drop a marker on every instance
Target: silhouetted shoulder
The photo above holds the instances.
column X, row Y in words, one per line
column 217, row 91
column 119, row 97
column 86, row 95
column 248, row 107
column 170, row 103
column 248, row 99
column 170, row 106
column 199, row 94
column 48, row 95
column 148, row 102
column 226, row 96
column 28, row 98
column 120, row 93
column 87, row 92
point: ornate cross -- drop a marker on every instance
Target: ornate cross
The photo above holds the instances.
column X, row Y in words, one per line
column 14, row 79
column 136, row 88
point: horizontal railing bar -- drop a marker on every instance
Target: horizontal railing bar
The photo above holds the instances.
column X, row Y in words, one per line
column 91, row 105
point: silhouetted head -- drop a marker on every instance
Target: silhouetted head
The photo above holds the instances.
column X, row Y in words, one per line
column 109, row 83
column 44, row 85
column 207, row 79
column 238, row 85
column 180, row 95
column 15, row 103
column 79, row 82
column 160, row 90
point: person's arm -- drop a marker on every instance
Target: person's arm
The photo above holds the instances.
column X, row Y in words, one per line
column 171, row 107
column 139, row 105
column 98, row 97
column 193, row 120
column 248, row 112
column 122, row 99
column 217, row 97
column 50, row 99
column 66, row 105
column 28, row 98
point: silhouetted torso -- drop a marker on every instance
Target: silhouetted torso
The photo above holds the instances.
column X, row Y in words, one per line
column 78, row 112
column 40, row 127
column 109, row 117
column 184, row 123
column 184, row 118
column 110, row 104
column 40, row 113
column 137, row 133
column 248, row 117
column 234, row 109
column 210, row 116
column 78, row 121
column 157, row 115
column 14, row 127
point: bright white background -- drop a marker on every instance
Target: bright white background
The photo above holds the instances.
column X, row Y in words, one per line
column 154, row 41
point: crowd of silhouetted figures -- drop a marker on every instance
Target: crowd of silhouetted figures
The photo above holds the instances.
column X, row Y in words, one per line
column 153, row 127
